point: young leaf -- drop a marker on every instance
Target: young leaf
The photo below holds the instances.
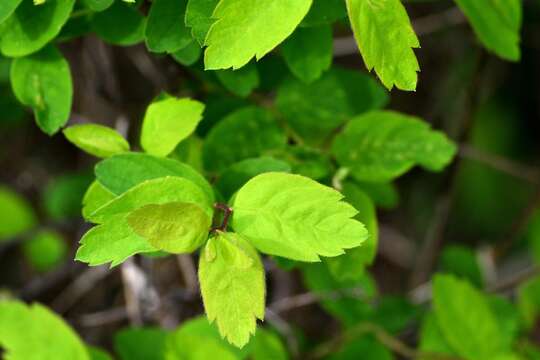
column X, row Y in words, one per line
column 42, row 81
column 167, row 122
column 295, row 217
column 174, row 227
column 232, row 286
column 157, row 191
column 31, row 27
column 382, row 145
column 199, row 18
column 165, row 29
column 250, row 28
column 308, row 52
column 35, row 333
column 246, row 133
column 95, row 197
column 197, row 339
column 7, row 7
column 386, row 40
column 497, row 24
column 45, row 250
column 121, row 24
column 97, row 140
column 465, row 319
column 16, row 214
column 112, row 242
column 240, row 82
column 316, row 110
column 122, row 172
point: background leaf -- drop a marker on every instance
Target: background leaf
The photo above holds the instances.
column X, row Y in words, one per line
column 31, row 27
column 382, row 145
column 42, row 81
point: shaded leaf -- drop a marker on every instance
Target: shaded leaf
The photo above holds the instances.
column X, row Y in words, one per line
column 382, row 145
column 42, row 81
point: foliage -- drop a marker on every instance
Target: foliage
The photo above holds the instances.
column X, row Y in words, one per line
column 274, row 164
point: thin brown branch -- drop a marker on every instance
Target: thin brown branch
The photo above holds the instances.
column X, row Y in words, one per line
column 500, row 163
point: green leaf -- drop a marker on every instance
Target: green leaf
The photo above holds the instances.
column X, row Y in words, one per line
column 324, row 12
column 112, row 242
column 382, row 145
column 167, row 122
column 308, row 52
column 351, row 265
column 465, row 319
column 461, row 261
column 197, row 339
column 529, row 302
column 232, row 286
column 35, row 333
column 97, row 140
column 45, row 250
column 122, row 172
column 199, row 18
column 240, row 173
column 98, row 354
column 140, row 343
column 266, row 345
column 189, row 55
column 354, row 301
column 157, row 191
column 173, row 227
column 240, row 82
column 365, row 348
column 7, row 7
column 497, row 24
column 97, row 5
column 250, row 28
column 431, row 338
column 165, row 29
column 314, row 111
column 63, row 195
column 246, row 133
column 384, row 194
column 95, row 197
column 121, row 24
column 295, row 217
column 42, row 81
column 386, row 40
column 31, row 27
column 16, row 214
